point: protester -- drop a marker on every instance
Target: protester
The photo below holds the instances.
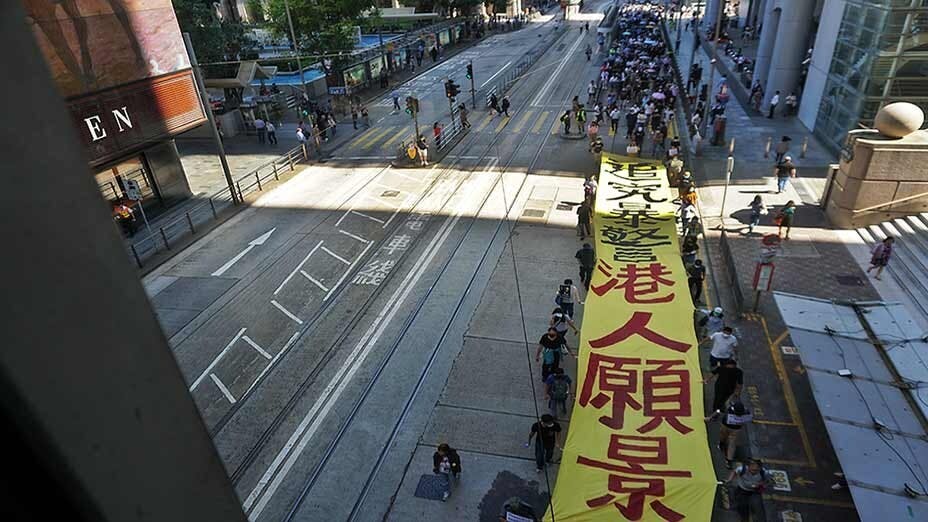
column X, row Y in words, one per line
column 880, row 255
column 587, row 258
column 557, row 389
column 734, row 418
column 547, row 431
column 567, row 295
column 549, row 352
column 784, row 171
column 724, row 344
column 560, row 321
column 695, row 277
column 749, row 481
column 728, row 382
column 584, row 220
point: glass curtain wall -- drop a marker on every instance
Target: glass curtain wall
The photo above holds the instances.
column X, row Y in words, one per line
column 881, row 56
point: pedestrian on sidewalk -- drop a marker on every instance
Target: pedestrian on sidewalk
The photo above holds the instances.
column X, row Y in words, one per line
column 560, row 321
column 758, row 209
column 880, row 255
column 354, row 116
column 773, row 105
column 784, row 171
column 734, row 418
column 125, row 216
column 504, row 107
column 567, row 295
column 587, row 258
column 784, row 218
column 271, row 133
column 614, row 115
column 581, row 119
column 584, row 218
column 549, row 352
column 547, row 431
column 749, row 480
column 589, row 189
column 782, row 148
column 713, row 321
column 365, row 118
column 330, row 121
column 728, row 382
column 689, row 250
column 557, row 389
column 446, row 463
column 422, row 148
column 792, row 103
column 436, row 132
column 724, row 344
column 593, row 133
column 590, row 91
column 462, row 114
column 695, row 277
column 396, row 100
column 494, row 104
column 261, row 127
column 565, row 119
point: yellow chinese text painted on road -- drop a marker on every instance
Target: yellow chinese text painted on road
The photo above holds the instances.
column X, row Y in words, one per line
column 637, row 447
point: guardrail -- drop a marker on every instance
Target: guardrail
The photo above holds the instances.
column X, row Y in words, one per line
column 168, row 231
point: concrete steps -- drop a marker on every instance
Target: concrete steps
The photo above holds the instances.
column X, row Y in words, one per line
column 909, row 264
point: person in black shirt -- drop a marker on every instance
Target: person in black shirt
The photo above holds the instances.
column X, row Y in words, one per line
column 584, row 217
column 551, row 346
column 734, row 418
column 729, row 379
column 696, row 273
column 446, row 463
column 587, row 258
column 547, row 430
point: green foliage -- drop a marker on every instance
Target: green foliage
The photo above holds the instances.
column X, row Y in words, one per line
column 256, row 9
column 213, row 40
column 321, row 26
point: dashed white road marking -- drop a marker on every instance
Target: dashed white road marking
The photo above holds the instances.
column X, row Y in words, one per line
column 286, row 312
column 350, row 267
column 352, row 236
column 314, row 281
column 362, row 214
column 222, row 387
column 336, row 256
column 257, row 347
column 216, row 360
column 298, row 267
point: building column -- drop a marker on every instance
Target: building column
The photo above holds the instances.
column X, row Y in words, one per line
column 712, row 12
column 767, row 40
column 825, row 42
column 792, row 37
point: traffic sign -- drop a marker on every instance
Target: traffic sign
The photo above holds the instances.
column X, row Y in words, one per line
column 133, row 190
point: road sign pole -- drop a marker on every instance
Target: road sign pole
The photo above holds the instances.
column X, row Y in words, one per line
column 473, row 91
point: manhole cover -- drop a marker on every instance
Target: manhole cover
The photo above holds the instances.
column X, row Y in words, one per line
column 533, row 213
column 564, row 206
column 390, row 193
column 850, row 280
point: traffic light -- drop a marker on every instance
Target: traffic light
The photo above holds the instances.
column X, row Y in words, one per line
column 452, row 89
column 412, row 105
column 470, row 71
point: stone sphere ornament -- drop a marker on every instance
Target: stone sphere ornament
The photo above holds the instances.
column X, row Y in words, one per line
column 899, row 119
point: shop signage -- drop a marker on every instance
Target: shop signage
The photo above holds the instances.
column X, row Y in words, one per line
column 123, row 120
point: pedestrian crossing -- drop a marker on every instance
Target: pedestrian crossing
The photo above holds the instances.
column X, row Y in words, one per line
column 531, row 121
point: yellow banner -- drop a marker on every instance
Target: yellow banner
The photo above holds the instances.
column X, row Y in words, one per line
column 636, row 448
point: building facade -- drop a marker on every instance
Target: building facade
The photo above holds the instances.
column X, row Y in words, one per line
column 123, row 70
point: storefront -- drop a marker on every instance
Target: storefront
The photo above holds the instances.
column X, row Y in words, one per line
column 355, row 77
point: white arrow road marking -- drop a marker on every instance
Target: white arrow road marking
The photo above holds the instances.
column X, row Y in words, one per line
column 258, row 241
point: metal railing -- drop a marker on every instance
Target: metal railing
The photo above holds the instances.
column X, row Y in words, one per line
column 168, row 231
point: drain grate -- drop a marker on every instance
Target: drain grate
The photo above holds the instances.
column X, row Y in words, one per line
column 533, row 213
column 564, row 206
column 390, row 193
column 850, row 280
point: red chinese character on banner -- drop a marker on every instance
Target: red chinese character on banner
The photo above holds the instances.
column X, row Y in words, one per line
column 628, row 476
column 616, row 386
column 666, row 395
column 636, row 282
column 638, row 325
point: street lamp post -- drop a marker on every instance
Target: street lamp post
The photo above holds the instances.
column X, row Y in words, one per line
column 296, row 50
column 712, row 60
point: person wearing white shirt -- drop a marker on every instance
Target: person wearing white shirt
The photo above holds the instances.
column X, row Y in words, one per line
column 271, row 133
column 724, row 344
column 773, row 104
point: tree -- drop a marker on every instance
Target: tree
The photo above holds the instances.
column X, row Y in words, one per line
column 321, row 26
column 214, row 40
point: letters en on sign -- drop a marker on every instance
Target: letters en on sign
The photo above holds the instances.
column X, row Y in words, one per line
column 637, row 447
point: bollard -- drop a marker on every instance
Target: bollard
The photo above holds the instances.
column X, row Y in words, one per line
column 190, row 223
column 767, row 147
column 258, row 180
column 805, row 147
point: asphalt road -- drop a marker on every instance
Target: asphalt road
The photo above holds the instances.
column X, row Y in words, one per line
column 316, row 328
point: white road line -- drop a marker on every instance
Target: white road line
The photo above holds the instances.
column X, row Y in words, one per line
column 272, row 478
column 336, row 256
column 216, row 360
column 352, row 236
column 400, row 174
column 372, row 218
column 350, row 267
column 317, row 283
column 222, row 388
column 286, row 312
column 490, row 79
column 567, row 56
column 382, row 202
column 339, row 222
column 298, row 267
column 397, row 211
column 257, row 347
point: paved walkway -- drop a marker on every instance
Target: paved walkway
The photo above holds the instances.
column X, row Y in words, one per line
column 788, row 432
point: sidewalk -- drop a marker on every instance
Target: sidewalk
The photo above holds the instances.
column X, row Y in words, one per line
column 788, row 432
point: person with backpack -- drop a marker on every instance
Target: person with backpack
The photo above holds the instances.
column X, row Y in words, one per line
column 561, row 322
column 446, row 463
column 749, row 482
column 567, row 295
column 587, row 258
column 549, row 352
column 557, row 389
column 565, row 120
column 547, row 430
column 734, row 418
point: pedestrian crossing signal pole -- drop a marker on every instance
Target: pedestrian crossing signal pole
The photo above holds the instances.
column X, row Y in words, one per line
column 473, row 91
column 412, row 109
column 452, row 90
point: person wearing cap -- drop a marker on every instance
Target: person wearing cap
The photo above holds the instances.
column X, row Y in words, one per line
column 784, row 171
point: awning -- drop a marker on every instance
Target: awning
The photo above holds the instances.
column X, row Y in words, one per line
column 875, row 416
column 247, row 72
